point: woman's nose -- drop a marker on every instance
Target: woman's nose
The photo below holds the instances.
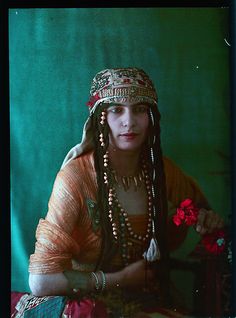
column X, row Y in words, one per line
column 128, row 119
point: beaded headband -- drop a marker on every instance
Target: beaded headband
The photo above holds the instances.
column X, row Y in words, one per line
column 119, row 85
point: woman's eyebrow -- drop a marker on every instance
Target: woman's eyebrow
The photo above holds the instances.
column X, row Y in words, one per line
column 139, row 103
column 115, row 104
column 132, row 105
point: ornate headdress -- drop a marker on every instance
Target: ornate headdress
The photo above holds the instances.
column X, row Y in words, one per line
column 119, row 84
column 113, row 85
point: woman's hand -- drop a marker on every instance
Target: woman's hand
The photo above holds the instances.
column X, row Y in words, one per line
column 208, row 222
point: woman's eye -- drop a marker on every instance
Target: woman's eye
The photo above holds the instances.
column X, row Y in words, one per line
column 141, row 109
column 115, row 110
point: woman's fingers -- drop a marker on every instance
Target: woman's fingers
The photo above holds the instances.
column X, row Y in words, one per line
column 208, row 222
column 200, row 227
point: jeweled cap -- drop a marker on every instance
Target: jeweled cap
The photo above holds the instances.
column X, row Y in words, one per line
column 120, row 84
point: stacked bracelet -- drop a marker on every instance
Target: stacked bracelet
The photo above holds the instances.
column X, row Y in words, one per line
column 103, row 280
column 99, row 285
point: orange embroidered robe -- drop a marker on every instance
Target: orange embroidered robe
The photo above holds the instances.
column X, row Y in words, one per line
column 68, row 239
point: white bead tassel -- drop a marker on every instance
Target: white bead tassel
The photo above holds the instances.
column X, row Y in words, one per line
column 153, row 252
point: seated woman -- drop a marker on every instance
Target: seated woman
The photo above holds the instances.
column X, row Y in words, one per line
column 106, row 236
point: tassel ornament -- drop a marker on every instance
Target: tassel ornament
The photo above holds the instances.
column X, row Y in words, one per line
column 153, row 252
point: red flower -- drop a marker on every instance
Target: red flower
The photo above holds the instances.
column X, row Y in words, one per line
column 187, row 213
column 214, row 242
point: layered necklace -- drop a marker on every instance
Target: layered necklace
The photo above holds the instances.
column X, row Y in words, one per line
column 122, row 230
column 127, row 181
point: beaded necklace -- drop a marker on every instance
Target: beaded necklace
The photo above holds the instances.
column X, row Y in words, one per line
column 123, row 232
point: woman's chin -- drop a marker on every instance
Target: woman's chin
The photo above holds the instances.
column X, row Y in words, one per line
column 128, row 149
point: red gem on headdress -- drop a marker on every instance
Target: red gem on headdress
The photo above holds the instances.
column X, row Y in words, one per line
column 93, row 99
column 141, row 82
column 126, row 81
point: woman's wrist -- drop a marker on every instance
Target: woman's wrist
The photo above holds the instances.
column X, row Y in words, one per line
column 79, row 280
column 115, row 280
column 94, row 281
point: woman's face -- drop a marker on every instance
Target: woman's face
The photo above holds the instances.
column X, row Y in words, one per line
column 128, row 123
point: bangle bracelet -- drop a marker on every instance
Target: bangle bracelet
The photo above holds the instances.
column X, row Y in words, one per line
column 97, row 287
column 103, row 280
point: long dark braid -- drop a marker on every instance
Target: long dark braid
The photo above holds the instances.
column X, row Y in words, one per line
column 107, row 246
column 152, row 154
column 159, row 182
column 161, row 219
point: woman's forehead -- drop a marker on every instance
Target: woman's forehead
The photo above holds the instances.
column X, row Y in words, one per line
column 127, row 104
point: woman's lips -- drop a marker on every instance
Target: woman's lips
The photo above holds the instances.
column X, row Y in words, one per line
column 129, row 136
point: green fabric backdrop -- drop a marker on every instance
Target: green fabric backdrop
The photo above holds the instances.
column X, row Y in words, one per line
column 54, row 53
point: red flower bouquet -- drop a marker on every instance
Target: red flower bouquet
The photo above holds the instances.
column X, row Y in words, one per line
column 187, row 213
